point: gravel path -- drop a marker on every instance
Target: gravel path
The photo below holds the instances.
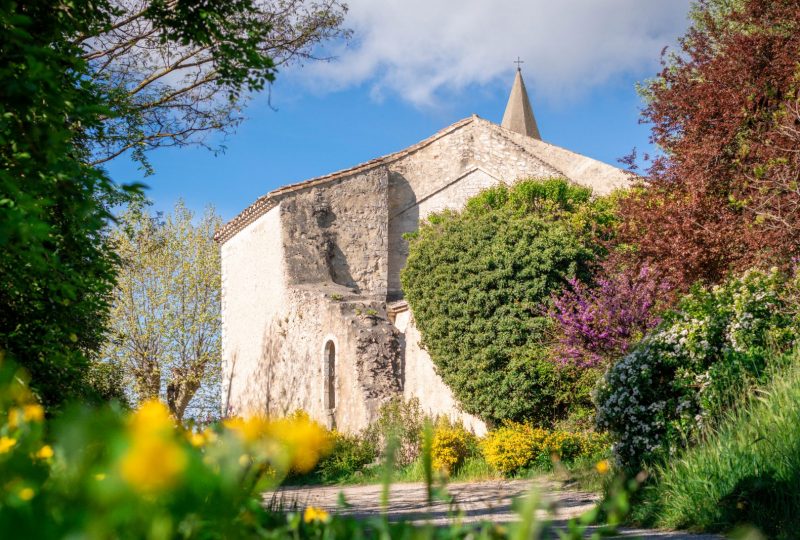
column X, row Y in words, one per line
column 474, row 502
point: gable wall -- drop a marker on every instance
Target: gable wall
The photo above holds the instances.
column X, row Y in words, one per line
column 445, row 174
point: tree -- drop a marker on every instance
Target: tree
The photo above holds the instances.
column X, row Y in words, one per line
column 171, row 92
column 56, row 271
column 597, row 325
column 725, row 110
column 165, row 320
column 479, row 283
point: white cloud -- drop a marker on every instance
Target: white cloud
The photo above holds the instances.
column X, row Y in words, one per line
column 423, row 50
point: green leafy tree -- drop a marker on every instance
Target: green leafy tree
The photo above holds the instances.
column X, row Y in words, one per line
column 480, row 281
column 56, row 270
column 165, row 319
column 55, row 273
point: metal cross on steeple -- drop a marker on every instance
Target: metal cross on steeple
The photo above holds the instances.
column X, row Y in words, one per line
column 519, row 62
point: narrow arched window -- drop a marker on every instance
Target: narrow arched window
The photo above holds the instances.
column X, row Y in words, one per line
column 330, row 375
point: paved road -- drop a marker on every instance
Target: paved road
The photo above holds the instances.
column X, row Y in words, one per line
column 473, row 502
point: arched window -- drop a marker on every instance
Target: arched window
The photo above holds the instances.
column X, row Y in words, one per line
column 330, row 375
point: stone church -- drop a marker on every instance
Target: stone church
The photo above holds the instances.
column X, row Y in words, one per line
column 313, row 315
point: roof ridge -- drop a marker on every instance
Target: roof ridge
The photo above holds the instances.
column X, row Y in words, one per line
column 266, row 202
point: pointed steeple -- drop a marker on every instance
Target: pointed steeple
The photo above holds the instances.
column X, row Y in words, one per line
column 519, row 114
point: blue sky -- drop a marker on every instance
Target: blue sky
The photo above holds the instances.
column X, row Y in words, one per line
column 378, row 97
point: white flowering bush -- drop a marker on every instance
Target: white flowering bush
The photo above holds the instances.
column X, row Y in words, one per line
column 700, row 361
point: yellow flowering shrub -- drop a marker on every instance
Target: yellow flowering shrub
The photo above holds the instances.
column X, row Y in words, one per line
column 513, row 446
column 563, row 445
column 450, row 446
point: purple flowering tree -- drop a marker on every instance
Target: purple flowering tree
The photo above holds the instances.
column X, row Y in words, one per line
column 599, row 324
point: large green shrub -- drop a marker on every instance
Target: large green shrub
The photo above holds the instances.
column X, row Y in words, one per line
column 698, row 363
column 479, row 283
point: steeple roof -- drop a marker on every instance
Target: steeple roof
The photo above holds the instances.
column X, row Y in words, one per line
column 519, row 114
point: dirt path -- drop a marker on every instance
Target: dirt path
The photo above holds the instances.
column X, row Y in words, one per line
column 474, row 502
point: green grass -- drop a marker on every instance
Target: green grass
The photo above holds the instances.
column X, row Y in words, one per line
column 747, row 472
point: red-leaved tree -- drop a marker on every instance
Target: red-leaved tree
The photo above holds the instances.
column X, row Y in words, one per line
column 726, row 112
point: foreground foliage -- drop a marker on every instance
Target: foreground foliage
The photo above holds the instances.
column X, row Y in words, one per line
column 104, row 473
column 700, row 362
column 744, row 473
column 479, row 283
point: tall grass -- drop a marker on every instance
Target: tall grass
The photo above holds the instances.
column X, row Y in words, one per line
column 747, row 472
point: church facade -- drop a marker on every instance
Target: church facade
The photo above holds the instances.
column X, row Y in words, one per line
column 313, row 315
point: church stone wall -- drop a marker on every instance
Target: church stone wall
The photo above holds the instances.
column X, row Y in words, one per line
column 310, row 271
column 253, row 294
column 339, row 233
column 496, row 153
column 366, row 358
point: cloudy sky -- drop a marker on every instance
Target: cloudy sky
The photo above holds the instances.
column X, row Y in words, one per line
column 415, row 66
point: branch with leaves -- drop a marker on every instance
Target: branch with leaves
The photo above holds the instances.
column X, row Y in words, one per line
column 174, row 83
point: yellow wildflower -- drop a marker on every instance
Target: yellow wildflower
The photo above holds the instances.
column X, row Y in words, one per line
column 315, row 514
column 153, row 465
column 33, row 413
column 6, row 444
column 154, row 461
column 196, row 439
column 305, row 439
column 45, row 452
column 14, row 417
column 150, row 419
column 100, row 477
column 603, row 466
column 26, row 494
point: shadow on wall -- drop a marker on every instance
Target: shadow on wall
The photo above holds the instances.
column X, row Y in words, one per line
column 249, row 391
column 403, row 218
column 335, row 259
column 338, row 266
